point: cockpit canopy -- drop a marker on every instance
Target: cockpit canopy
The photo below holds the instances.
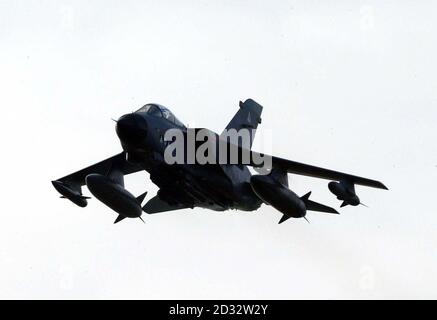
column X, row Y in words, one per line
column 161, row 112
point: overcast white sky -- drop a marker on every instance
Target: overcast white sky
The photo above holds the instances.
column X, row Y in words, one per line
column 348, row 85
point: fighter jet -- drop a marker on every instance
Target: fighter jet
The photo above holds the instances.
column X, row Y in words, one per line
column 218, row 186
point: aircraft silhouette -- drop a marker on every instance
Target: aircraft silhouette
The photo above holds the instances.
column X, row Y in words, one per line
column 216, row 186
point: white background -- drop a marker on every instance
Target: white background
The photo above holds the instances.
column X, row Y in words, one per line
column 348, row 85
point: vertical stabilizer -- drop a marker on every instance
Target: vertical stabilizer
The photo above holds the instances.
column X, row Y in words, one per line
column 248, row 117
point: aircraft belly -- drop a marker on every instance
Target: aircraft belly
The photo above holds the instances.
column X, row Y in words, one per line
column 193, row 185
column 214, row 187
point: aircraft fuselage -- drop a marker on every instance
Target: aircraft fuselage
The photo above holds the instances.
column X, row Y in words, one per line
column 208, row 186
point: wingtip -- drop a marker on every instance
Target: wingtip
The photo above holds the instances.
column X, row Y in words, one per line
column 382, row 186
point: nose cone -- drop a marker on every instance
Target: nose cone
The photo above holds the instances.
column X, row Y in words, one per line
column 131, row 129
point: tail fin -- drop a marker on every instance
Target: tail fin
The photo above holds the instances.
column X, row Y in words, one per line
column 314, row 206
column 119, row 218
column 248, row 117
column 140, row 198
column 156, row 205
column 284, row 218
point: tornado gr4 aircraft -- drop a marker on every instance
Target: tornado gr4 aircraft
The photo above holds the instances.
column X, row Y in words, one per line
column 216, row 185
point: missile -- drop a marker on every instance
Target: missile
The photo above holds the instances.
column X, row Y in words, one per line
column 115, row 196
column 70, row 193
column 280, row 197
column 345, row 192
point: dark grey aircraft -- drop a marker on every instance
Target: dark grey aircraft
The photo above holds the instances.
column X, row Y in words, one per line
column 216, row 186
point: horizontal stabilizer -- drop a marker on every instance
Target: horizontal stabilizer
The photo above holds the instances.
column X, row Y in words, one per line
column 156, row 205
